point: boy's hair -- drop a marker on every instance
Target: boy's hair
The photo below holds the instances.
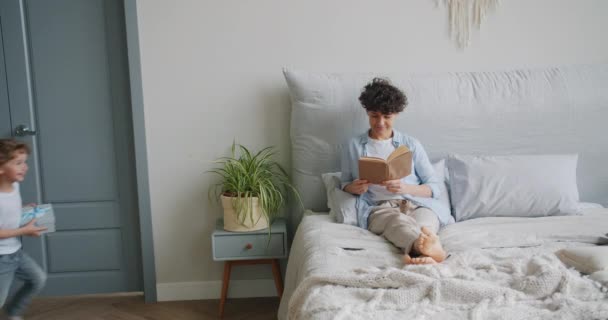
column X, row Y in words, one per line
column 8, row 149
column 381, row 96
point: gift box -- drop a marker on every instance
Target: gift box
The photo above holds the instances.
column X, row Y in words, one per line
column 44, row 216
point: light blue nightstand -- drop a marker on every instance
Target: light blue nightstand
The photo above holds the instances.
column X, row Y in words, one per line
column 243, row 248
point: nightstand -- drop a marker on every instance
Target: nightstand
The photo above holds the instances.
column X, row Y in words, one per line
column 243, row 248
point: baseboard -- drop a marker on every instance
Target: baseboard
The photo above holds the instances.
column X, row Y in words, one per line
column 204, row 290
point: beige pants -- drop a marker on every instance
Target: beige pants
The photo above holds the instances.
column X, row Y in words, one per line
column 400, row 221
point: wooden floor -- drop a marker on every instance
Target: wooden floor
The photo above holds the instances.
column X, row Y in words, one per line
column 133, row 307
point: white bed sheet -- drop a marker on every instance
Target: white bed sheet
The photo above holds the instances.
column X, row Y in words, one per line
column 503, row 232
column 323, row 248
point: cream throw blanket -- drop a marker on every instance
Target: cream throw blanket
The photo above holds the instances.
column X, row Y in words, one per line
column 526, row 282
column 480, row 284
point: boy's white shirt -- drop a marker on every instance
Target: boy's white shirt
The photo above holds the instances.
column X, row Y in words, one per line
column 10, row 216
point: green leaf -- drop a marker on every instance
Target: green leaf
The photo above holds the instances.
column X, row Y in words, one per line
column 246, row 174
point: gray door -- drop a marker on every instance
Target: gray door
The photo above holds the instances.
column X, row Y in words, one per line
column 65, row 76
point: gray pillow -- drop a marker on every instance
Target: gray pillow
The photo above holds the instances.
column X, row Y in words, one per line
column 440, row 169
column 513, row 186
column 342, row 205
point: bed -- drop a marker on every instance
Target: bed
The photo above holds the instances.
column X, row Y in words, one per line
column 500, row 267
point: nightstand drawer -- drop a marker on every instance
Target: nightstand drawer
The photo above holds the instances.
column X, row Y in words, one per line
column 247, row 246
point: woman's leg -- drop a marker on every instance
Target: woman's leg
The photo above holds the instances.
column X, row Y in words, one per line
column 425, row 217
column 398, row 228
column 428, row 242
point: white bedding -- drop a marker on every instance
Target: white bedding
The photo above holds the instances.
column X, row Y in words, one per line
column 526, row 232
column 500, row 268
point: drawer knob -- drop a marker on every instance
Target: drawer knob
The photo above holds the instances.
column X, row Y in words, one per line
column 248, row 246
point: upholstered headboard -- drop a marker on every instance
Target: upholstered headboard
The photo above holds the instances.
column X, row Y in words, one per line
column 539, row 111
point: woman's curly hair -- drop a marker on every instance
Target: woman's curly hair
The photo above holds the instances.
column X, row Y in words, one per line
column 381, row 96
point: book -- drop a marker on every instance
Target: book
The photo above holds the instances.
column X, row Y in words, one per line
column 43, row 214
column 396, row 166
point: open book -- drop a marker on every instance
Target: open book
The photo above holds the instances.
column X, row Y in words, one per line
column 396, row 166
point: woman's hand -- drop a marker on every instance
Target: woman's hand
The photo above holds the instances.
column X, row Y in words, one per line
column 357, row 187
column 30, row 229
column 396, row 186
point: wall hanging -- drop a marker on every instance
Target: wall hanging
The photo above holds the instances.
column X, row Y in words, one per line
column 464, row 15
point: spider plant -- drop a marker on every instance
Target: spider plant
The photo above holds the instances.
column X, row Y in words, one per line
column 246, row 175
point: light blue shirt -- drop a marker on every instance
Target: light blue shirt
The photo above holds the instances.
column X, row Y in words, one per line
column 422, row 173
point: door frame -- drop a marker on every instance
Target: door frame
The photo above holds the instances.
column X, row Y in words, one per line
column 140, row 150
column 141, row 158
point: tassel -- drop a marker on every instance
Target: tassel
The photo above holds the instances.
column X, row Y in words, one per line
column 464, row 13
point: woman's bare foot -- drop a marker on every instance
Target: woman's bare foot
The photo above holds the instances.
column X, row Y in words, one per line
column 429, row 245
column 418, row 260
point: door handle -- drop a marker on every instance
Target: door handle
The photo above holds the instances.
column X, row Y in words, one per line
column 23, row 130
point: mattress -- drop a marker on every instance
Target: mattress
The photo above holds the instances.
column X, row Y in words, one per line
column 364, row 274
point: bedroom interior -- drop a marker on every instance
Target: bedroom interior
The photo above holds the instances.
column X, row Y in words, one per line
column 508, row 99
column 515, row 145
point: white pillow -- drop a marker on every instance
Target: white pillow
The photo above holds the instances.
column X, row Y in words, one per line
column 513, row 186
column 587, row 260
column 342, row 205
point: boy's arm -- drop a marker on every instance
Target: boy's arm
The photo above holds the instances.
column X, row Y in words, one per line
column 10, row 233
column 30, row 229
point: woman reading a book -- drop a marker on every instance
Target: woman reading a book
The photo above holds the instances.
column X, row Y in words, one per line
column 395, row 200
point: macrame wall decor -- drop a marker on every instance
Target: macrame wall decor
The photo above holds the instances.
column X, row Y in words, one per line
column 465, row 14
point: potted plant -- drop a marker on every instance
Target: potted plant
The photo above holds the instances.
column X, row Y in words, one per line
column 253, row 188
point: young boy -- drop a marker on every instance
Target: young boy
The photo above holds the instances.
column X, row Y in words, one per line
column 14, row 263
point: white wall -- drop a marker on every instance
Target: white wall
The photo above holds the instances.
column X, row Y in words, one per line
column 212, row 73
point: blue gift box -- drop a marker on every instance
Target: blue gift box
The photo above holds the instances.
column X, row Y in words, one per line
column 44, row 216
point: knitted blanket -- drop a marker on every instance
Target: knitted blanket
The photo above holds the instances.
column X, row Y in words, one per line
column 514, row 283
